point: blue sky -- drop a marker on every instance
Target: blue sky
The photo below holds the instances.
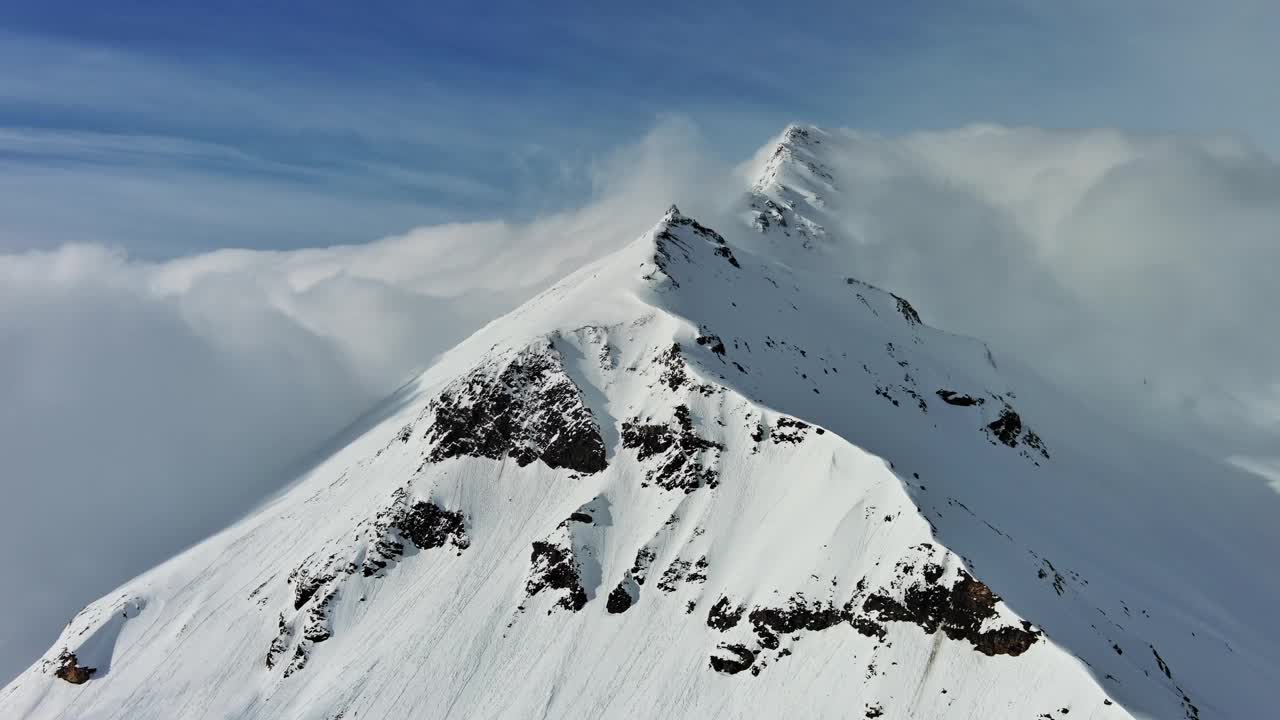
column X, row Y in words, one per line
column 170, row 128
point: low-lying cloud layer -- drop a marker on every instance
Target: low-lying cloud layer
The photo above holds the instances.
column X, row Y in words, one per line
column 148, row 404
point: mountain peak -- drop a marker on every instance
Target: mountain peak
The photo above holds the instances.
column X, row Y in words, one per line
column 789, row 192
column 691, row 479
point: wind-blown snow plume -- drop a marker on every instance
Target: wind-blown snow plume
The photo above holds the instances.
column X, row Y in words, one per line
column 146, row 404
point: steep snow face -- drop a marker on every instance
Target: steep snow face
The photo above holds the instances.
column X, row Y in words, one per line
column 696, row 478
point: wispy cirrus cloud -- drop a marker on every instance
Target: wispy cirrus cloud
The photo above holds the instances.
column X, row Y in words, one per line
column 168, row 156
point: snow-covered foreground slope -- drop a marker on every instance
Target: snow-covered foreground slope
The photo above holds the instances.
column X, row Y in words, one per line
column 703, row 477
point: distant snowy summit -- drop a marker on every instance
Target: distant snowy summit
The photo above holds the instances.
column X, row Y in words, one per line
column 701, row 476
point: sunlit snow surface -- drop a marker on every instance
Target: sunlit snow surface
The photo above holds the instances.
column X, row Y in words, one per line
column 706, row 477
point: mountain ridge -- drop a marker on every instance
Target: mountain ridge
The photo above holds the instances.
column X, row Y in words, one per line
column 681, row 433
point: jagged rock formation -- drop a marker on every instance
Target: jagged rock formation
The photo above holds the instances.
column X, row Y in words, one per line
column 527, row 409
column 67, row 667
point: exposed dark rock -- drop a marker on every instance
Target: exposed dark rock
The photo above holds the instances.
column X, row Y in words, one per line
column 428, row 525
column 678, row 448
column 788, row 430
column 280, row 643
column 423, row 523
column 675, row 572
column 306, row 587
column 734, row 659
column 723, row 616
column 1007, row 427
column 581, row 517
column 952, row 397
column 713, row 343
column 797, row 614
column 884, row 393
column 620, row 600
column 553, row 566
column 69, row 668
column 299, row 659
column 699, row 574
column 958, row 611
column 317, row 627
column 1059, row 582
column 675, row 218
column 647, row 440
column 1009, row 430
column 640, row 569
column 920, row 403
column 866, row 626
column 932, row 573
column 673, row 373
column 724, row 252
column 530, row 410
column 1164, row 667
column 908, row 312
column 1033, row 440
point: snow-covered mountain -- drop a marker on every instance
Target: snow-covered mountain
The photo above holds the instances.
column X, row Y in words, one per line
column 708, row 475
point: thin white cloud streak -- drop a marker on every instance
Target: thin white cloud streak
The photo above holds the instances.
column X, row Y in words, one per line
column 60, row 148
column 51, row 73
column 145, row 404
column 164, row 196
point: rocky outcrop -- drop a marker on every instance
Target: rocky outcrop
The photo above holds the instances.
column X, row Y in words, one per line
column 620, row 599
column 1009, row 430
column 908, row 313
column 318, row 579
column 423, row 523
column 959, row 611
column 67, row 667
column 528, row 409
column 951, row 397
column 732, row 659
column 724, row 615
column 677, row 452
column 555, row 565
column 796, row 614
column 552, row 567
column 789, row 430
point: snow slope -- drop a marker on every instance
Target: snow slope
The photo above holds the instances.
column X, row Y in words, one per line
column 709, row 475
